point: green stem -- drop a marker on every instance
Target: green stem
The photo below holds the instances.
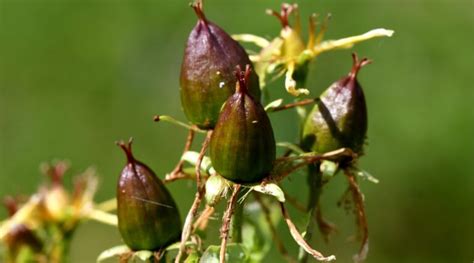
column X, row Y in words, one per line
column 61, row 245
column 315, row 184
column 236, row 223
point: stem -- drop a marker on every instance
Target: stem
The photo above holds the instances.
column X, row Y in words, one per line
column 174, row 121
column 310, row 159
column 275, row 236
column 315, row 185
column 300, row 240
column 293, row 105
column 226, row 222
column 178, row 170
column 201, row 190
column 203, row 220
column 107, row 206
column 103, row 217
column 60, row 245
column 236, row 223
column 358, row 198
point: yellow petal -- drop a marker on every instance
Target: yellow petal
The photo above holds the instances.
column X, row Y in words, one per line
column 348, row 42
column 290, row 83
column 258, row 41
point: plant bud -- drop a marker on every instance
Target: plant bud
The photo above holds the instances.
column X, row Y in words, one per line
column 207, row 78
column 242, row 147
column 216, row 188
column 339, row 119
column 148, row 218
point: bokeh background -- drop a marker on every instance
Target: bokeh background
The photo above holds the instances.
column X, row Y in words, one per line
column 77, row 75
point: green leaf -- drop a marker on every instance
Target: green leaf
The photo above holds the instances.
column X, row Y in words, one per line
column 295, row 148
column 256, row 234
column 235, row 253
column 175, row 246
column 191, row 157
column 113, row 252
column 271, row 189
column 143, row 254
column 367, row 176
column 273, row 104
column 192, row 258
column 328, row 169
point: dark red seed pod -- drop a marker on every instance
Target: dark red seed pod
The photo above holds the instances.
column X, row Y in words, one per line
column 339, row 119
column 148, row 218
column 207, row 72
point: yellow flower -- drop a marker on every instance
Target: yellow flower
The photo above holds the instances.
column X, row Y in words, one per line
column 288, row 55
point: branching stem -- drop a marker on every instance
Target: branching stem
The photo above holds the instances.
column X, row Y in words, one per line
column 358, row 198
column 279, row 243
column 177, row 172
column 201, row 190
column 226, row 222
column 300, row 240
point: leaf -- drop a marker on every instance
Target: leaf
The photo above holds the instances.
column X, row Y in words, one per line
column 273, row 104
column 175, row 246
column 256, row 233
column 113, row 252
column 192, row 258
column 271, row 189
column 328, row 169
column 295, row 148
column 143, row 254
column 192, row 157
column 367, row 176
column 235, row 253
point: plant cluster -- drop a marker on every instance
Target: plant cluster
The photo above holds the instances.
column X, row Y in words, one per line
column 223, row 92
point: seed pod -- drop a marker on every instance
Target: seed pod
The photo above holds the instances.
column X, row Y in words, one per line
column 242, row 147
column 339, row 119
column 148, row 218
column 207, row 70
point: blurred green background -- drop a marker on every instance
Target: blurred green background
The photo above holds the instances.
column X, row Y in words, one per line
column 77, row 75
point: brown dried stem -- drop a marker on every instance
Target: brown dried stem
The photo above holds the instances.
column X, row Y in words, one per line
column 358, row 199
column 325, row 227
column 203, row 219
column 294, row 104
column 306, row 160
column 279, row 243
column 226, row 222
column 177, row 172
column 300, row 240
column 201, row 190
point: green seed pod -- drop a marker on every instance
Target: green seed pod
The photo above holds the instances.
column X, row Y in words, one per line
column 207, row 70
column 148, row 218
column 242, row 147
column 339, row 119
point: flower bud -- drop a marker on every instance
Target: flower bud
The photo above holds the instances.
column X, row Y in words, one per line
column 148, row 218
column 339, row 119
column 242, row 146
column 207, row 78
column 216, row 188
